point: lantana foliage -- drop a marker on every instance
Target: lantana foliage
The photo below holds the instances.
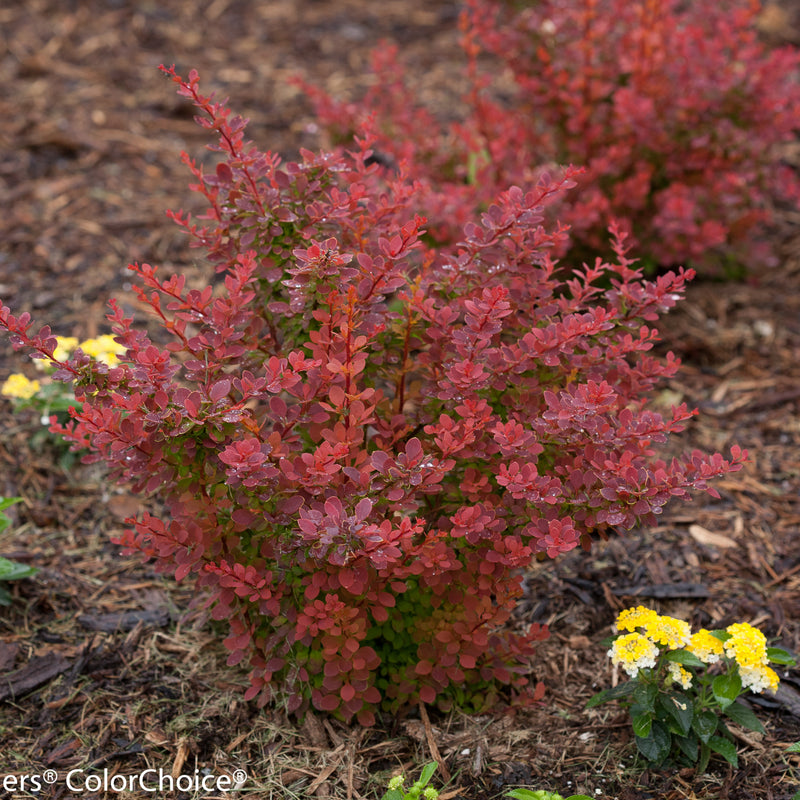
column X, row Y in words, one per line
column 678, row 112
column 361, row 442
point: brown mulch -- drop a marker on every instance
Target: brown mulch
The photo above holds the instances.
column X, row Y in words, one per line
column 104, row 665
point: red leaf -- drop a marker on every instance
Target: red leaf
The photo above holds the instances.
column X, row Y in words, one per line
column 192, row 404
column 219, row 390
column 467, row 661
column 427, row 694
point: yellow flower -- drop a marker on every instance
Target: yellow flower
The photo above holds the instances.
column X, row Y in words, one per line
column 103, row 348
column 747, row 646
column 632, row 618
column 671, row 632
column 20, row 387
column 66, row 344
column 634, row 652
column 705, row 646
column 680, row 675
column 756, row 679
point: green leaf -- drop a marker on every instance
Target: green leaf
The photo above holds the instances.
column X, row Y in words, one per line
column 642, row 724
column 726, row 688
column 705, row 755
column 793, row 748
column 705, row 724
column 578, row 797
column 726, row 748
column 427, row 773
column 474, row 161
column 723, row 636
column 12, row 571
column 645, row 696
column 5, row 597
column 393, row 794
column 5, row 502
column 777, row 655
column 672, row 726
column 744, row 716
column 656, row 746
column 688, row 745
column 617, row 692
column 684, row 657
column 680, row 708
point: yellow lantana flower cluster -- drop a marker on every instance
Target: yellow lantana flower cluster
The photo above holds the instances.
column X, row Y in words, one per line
column 748, row 647
column 680, row 675
column 633, row 652
column 19, row 387
column 632, row 618
column 102, row 348
column 648, row 631
column 638, row 650
column 705, row 646
column 66, row 344
column 672, row 633
column 669, row 631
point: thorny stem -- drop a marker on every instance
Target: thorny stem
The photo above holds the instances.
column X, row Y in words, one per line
column 221, row 127
column 400, row 386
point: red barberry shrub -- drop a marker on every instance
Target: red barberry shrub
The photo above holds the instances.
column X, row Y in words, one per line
column 360, row 443
column 676, row 110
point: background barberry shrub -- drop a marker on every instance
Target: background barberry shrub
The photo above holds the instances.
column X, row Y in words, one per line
column 676, row 110
column 360, row 443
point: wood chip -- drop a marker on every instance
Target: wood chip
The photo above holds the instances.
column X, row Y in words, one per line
column 315, row 731
column 432, row 746
column 664, row 590
column 709, row 538
column 37, row 672
column 789, row 698
column 337, row 755
column 8, row 655
column 180, row 757
column 125, row 620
